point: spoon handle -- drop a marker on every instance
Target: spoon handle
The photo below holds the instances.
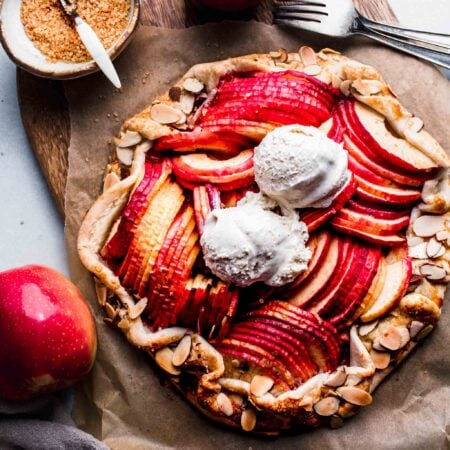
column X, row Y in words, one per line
column 97, row 51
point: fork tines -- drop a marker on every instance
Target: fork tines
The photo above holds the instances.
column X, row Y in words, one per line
column 299, row 10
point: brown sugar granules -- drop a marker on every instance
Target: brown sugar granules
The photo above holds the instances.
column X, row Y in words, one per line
column 54, row 33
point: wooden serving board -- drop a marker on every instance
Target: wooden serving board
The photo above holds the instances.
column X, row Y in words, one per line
column 44, row 108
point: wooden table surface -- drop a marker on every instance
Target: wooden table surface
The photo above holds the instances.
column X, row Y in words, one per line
column 44, row 108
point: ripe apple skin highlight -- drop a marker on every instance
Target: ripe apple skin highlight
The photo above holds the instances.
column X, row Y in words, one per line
column 47, row 333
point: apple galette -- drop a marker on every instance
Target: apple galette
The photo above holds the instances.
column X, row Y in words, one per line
column 274, row 232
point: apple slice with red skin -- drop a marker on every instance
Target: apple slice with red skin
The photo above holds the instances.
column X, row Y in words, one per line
column 333, row 129
column 323, row 302
column 363, row 172
column 313, row 285
column 348, row 227
column 364, row 207
column 153, row 229
column 353, row 146
column 224, row 184
column 344, row 316
column 386, row 194
column 222, row 327
column 197, row 167
column 320, row 338
column 155, row 173
column 371, row 127
column 396, row 282
column 199, row 139
column 259, row 357
column 253, row 130
column 286, row 352
column 319, row 245
column 305, row 368
column 382, row 226
column 205, row 198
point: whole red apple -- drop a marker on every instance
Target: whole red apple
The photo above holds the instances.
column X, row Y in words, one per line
column 229, row 5
column 47, row 333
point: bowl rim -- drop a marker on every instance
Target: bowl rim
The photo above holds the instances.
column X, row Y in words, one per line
column 86, row 68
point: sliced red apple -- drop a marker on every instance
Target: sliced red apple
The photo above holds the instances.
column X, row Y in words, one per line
column 251, row 129
column 398, row 274
column 371, row 209
column 306, row 291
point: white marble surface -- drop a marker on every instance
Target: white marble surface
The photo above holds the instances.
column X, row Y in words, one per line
column 31, row 230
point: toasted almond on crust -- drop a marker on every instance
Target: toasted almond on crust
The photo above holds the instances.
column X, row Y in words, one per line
column 345, row 87
column 138, row 308
column 380, row 359
column 367, row 87
column 260, row 385
column 224, row 404
column 308, row 55
column 415, row 327
column 337, row 378
column 164, row 359
column 442, row 235
column 193, row 85
column 418, row 251
column 367, row 328
column 394, row 338
column 248, row 419
column 422, row 334
column 327, row 406
column 110, row 311
column 434, row 248
column 187, row 103
column 427, row 225
column 415, row 124
column 354, row 395
column 125, row 155
column 165, row 114
column 433, row 272
column 181, row 353
column 128, row 139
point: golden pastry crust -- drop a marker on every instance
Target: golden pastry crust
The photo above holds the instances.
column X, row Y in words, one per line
column 231, row 400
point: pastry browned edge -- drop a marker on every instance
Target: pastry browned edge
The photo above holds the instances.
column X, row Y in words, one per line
column 325, row 398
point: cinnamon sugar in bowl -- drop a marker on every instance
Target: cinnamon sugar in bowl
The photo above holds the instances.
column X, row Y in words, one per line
column 41, row 39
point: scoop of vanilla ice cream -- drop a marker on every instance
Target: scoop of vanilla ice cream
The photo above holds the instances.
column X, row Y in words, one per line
column 300, row 167
column 249, row 243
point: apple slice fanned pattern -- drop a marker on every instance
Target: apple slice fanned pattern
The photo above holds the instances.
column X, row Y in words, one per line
column 312, row 352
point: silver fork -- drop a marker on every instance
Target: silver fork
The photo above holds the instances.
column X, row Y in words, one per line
column 339, row 18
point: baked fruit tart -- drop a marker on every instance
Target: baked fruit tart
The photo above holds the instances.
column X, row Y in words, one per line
column 274, row 232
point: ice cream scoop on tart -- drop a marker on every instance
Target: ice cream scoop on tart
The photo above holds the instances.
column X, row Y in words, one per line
column 281, row 240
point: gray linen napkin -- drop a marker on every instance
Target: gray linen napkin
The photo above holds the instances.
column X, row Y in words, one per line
column 43, row 423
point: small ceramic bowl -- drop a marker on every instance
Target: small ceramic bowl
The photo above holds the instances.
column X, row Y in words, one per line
column 23, row 52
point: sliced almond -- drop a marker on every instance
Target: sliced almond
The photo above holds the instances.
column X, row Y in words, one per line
column 110, row 180
column 427, row 225
column 110, row 311
column 336, row 81
column 394, row 338
column 330, row 51
column 101, row 291
column 175, row 93
column 377, row 346
column 422, row 334
column 237, row 399
column 337, row 378
column 442, row 235
column 124, row 324
column 345, row 87
column 187, row 103
column 415, row 124
column 284, row 55
column 248, row 419
column 367, row 87
column 165, row 114
column 354, row 395
column 367, row 328
column 128, row 139
column 260, row 385
column 418, row 251
column 138, row 308
column 181, row 353
column 193, row 85
column 125, row 155
column 353, row 380
column 380, row 359
column 327, row 406
column 415, row 328
column 434, row 248
column 433, row 272
column 275, row 55
column 336, row 422
column 308, row 55
column 313, row 69
column 415, row 240
column 164, row 359
column 224, row 404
